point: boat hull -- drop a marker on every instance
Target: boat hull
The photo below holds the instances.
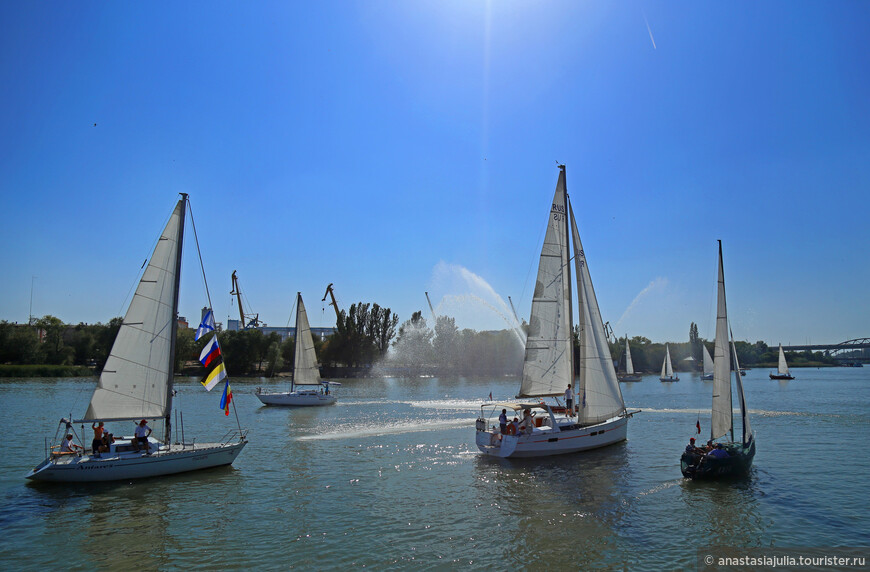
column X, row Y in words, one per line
column 698, row 467
column 296, row 399
column 627, row 377
column 673, row 378
column 545, row 442
column 707, row 377
column 122, row 466
column 781, row 376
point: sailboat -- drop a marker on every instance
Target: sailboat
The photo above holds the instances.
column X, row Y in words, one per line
column 668, row 369
column 628, row 374
column 137, row 384
column 782, row 369
column 708, row 365
column 730, row 458
column 599, row 417
column 305, row 370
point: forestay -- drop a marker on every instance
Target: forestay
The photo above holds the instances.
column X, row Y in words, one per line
column 598, row 393
column 547, row 366
column 136, row 379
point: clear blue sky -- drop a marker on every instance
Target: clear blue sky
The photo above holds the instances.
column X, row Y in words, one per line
column 397, row 147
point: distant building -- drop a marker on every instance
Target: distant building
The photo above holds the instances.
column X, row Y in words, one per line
column 182, row 323
column 233, row 326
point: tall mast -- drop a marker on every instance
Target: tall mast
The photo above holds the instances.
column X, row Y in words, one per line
column 568, row 270
column 167, row 422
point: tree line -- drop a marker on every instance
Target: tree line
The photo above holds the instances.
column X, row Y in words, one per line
column 367, row 336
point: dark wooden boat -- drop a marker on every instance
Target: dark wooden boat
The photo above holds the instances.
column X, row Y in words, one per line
column 737, row 464
column 695, row 463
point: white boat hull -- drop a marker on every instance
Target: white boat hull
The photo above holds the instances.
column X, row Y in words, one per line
column 544, row 441
column 296, row 398
column 169, row 460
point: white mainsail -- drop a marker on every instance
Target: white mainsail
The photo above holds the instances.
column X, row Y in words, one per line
column 667, row 367
column 305, row 370
column 721, row 422
column 783, row 366
column 629, row 367
column 598, row 393
column 708, row 362
column 137, row 376
column 548, row 363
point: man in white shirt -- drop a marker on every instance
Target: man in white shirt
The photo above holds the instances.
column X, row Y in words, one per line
column 569, row 401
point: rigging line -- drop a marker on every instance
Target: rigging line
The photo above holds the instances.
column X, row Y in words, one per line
column 199, row 252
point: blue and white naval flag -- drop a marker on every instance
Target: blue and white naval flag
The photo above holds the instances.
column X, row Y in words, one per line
column 206, row 326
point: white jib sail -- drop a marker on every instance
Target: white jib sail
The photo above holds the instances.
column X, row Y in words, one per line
column 598, row 395
column 629, row 367
column 547, row 366
column 783, row 366
column 135, row 379
column 721, row 422
column 305, row 370
column 708, row 362
column 667, row 367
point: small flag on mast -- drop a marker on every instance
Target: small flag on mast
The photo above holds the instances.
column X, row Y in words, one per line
column 206, row 326
column 490, row 396
column 227, row 398
column 698, row 425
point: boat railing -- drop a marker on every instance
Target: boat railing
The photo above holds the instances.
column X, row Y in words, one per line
column 234, row 435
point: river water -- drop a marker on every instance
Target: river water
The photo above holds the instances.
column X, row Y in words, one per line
column 390, row 478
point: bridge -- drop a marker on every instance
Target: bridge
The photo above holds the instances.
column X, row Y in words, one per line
column 848, row 352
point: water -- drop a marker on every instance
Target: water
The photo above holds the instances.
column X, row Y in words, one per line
column 390, row 478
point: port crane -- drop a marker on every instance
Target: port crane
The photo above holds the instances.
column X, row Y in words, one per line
column 247, row 321
column 333, row 303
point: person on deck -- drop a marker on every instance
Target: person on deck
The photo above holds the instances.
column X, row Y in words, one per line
column 502, row 421
column 141, row 437
column 718, row 452
column 691, row 448
column 98, row 437
column 67, row 445
column 569, row 401
column 106, row 442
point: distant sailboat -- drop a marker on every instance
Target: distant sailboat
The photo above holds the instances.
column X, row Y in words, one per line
column 708, row 365
column 137, row 384
column 305, row 370
column 548, row 367
column 667, row 368
column 730, row 458
column 628, row 374
column 782, row 369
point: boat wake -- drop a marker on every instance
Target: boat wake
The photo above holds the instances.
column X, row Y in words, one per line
column 759, row 412
column 659, row 488
column 357, row 432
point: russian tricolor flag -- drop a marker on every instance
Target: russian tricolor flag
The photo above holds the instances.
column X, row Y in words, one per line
column 211, row 351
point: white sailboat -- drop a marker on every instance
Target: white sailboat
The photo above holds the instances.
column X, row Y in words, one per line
column 551, row 428
column 305, row 370
column 668, row 369
column 708, row 365
column 737, row 457
column 782, row 369
column 628, row 374
column 137, row 384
